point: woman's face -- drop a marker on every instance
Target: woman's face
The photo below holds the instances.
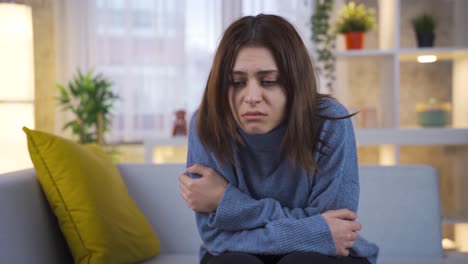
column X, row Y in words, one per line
column 256, row 97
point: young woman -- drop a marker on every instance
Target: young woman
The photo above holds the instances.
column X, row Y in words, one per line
column 272, row 167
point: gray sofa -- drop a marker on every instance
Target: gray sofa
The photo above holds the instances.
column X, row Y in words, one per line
column 399, row 209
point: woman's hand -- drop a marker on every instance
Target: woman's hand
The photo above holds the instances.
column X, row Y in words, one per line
column 203, row 194
column 343, row 228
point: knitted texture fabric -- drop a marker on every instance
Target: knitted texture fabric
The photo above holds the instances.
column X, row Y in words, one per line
column 273, row 207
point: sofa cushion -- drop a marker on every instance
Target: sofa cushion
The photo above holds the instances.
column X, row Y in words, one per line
column 100, row 221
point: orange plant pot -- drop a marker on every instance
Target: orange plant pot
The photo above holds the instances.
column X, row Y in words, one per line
column 354, row 40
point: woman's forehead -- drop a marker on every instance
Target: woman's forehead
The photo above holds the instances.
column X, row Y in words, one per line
column 254, row 59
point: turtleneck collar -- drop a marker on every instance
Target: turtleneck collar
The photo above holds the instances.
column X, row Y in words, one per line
column 270, row 141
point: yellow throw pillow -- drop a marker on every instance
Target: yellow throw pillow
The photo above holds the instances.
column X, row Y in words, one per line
column 100, row 221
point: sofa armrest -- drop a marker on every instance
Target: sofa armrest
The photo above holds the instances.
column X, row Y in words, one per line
column 29, row 231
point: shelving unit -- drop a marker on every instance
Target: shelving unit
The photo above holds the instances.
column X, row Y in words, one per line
column 386, row 76
column 387, row 54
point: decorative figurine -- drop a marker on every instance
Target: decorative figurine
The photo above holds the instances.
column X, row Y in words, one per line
column 180, row 124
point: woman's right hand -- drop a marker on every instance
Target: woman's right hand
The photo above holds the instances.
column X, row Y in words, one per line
column 343, row 228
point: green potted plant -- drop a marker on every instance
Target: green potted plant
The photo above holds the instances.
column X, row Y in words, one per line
column 324, row 39
column 353, row 21
column 90, row 98
column 424, row 26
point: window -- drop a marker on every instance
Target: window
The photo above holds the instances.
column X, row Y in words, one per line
column 158, row 53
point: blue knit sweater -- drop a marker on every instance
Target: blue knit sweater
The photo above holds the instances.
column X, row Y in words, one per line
column 270, row 207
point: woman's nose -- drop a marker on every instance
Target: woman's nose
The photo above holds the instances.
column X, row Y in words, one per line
column 253, row 93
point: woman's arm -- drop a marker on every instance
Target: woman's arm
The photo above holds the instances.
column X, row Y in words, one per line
column 277, row 237
column 336, row 187
column 201, row 162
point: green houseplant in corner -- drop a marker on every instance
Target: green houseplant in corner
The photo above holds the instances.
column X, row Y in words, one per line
column 353, row 21
column 324, row 39
column 90, row 98
column 424, row 26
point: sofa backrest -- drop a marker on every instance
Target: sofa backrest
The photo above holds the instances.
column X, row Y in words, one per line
column 399, row 210
column 155, row 189
column 29, row 232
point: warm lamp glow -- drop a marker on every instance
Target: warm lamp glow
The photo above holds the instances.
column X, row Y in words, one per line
column 16, row 84
column 170, row 154
column 427, row 58
column 448, row 244
column 13, row 153
column 387, row 155
column 461, row 237
column 17, row 61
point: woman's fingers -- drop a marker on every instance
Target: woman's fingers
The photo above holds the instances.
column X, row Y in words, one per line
column 344, row 214
column 185, row 180
column 184, row 183
column 343, row 252
column 184, row 196
column 349, row 244
column 354, row 226
column 344, row 231
column 198, row 169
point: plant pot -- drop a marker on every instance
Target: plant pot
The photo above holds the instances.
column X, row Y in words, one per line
column 433, row 118
column 354, row 40
column 425, row 39
column 433, row 113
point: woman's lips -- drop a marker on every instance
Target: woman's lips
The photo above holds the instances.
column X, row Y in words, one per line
column 253, row 116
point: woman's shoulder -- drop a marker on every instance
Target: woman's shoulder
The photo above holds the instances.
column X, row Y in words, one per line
column 335, row 123
column 193, row 117
column 330, row 107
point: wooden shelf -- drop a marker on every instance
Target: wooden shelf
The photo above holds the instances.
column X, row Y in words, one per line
column 150, row 144
column 412, row 136
column 454, row 217
column 371, row 136
column 364, row 53
column 408, row 54
column 443, row 53
column 166, row 141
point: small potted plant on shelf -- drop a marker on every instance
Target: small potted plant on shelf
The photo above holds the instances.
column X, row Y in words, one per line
column 353, row 21
column 424, row 26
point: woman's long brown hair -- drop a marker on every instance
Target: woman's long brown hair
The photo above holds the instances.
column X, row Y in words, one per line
column 216, row 126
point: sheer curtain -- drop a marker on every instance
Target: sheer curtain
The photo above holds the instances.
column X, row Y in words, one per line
column 156, row 52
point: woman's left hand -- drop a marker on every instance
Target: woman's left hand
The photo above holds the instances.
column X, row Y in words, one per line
column 205, row 193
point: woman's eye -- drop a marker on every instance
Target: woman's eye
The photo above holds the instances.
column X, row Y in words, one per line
column 267, row 83
column 237, row 84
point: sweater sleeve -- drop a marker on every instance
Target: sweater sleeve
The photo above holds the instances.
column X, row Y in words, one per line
column 277, row 236
column 336, row 186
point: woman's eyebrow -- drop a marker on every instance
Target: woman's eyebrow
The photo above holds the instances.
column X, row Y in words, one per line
column 262, row 72
column 238, row 73
column 266, row 72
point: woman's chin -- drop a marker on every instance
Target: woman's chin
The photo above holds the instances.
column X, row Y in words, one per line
column 255, row 130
